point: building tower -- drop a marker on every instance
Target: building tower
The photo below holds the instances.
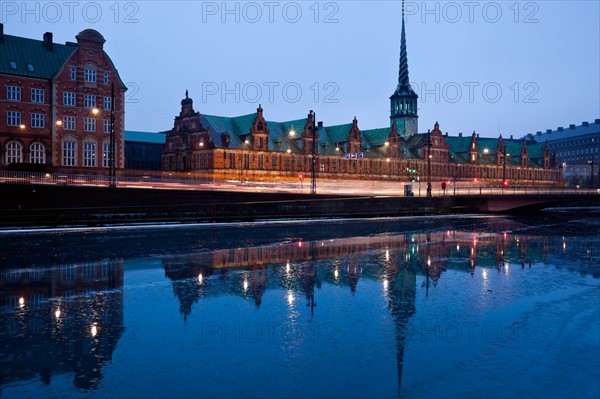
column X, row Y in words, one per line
column 403, row 103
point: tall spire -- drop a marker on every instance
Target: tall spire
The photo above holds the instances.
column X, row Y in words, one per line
column 403, row 80
column 403, row 103
column 403, row 71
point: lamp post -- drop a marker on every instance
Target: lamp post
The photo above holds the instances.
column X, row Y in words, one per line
column 591, row 163
column 429, row 163
column 504, row 155
column 111, row 156
column 313, row 172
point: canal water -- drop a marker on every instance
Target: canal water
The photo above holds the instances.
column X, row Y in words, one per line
column 423, row 307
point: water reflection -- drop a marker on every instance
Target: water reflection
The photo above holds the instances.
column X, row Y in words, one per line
column 69, row 318
column 55, row 320
column 301, row 267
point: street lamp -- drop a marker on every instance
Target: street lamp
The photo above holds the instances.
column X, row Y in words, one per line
column 428, row 163
column 111, row 156
column 313, row 172
column 504, row 155
column 591, row 163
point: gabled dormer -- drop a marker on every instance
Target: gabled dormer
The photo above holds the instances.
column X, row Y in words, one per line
column 307, row 135
column 524, row 159
column 259, row 134
column 439, row 148
column 473, row 149
column 354, row 141
column 393, row 143
column 500, row 151
column 546, row 156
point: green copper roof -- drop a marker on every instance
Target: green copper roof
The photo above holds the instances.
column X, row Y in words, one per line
column 145, row 137
column 23, row 52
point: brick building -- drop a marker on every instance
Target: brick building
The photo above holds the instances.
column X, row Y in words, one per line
column 57, row 102
column 249, row 147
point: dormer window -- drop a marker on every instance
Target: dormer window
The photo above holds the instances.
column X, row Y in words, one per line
column 30, row 68
column 13, row 65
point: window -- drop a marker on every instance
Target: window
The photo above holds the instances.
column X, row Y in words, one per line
column 69, row 122
column 13, row 65
column 106, row 125
column 73, row 73
column 14, row 152
column 89, row 101
column 107, row 103
column 105, row 155
column 13, row 118
column 89, row 154
column 30, row 68
column 69, row 153
column 89, row 124
column 105, row 78
column 37, row 153
column 69, row 98
column 13, row 93
column 89, row 75
column 37, row 120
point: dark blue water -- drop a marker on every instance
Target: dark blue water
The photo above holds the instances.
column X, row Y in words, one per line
column 411, row 307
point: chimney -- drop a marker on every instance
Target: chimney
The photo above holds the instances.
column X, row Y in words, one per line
column 477, row 135
column 538, row 133
column 460, row 134
column 511, row 137
column 584, row 124
column 560, row 129
column 548, row 131
column 1, row 33
column 48, row 41
column 571, row 126
column 320, row 124
column 597, row 121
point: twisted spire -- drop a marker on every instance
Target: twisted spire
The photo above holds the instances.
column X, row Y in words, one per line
column 403, row 70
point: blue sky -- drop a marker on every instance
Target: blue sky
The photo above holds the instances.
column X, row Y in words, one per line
column 493, row 67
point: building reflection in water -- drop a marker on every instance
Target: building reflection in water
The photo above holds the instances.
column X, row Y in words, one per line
column 56, row 320
column 396, row 260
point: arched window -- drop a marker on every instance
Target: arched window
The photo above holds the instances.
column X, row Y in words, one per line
column 14, row 152
column 37, row 153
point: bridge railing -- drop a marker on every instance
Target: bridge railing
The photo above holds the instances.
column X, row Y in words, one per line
column 298, row 186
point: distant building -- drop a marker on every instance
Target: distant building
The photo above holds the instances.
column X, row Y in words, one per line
column 577, row 149
column 143, row 150
column 249, row 147
column 56, row 103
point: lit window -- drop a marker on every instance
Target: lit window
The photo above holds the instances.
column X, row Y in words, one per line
column 37, row 153
column 89, row 154
column 89, row 75
column 89, row 101
column 14, row 152
column 89, row 124
column 69, row 98
column 37, row 96
column 69, row 153
column 69, row 122
column 108, row 103
column 13, row 118
column 37, row 120
column 13, row 93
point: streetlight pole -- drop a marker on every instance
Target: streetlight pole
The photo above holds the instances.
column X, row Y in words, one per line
column 429, row 163
column 313, row 172
column 591, row 163
column 111, row 159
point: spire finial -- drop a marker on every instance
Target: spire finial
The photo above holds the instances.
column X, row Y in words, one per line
column 186, row 94
column 403, row 80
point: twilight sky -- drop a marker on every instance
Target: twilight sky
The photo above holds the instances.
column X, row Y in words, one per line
column 494, row 67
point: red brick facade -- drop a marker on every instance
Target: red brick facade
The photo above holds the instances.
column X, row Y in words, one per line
column 61, row 117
